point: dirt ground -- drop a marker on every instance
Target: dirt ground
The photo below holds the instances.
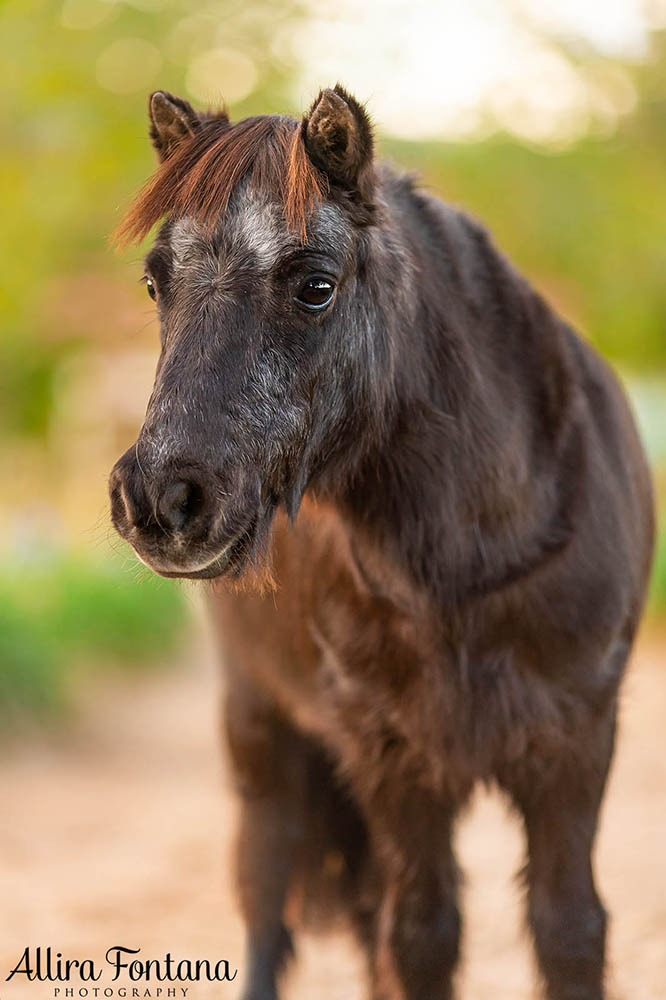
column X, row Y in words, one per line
column 116, row 831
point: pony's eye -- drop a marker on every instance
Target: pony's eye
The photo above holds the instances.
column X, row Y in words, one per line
column 150, row 286
column 316, row 293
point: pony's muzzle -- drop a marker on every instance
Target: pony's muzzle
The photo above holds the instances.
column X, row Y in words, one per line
column 164, row 516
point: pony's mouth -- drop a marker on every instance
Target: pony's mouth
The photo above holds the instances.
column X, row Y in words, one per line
column 228, row 561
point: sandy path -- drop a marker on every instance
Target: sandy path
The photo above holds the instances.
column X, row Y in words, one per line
column 117, row 832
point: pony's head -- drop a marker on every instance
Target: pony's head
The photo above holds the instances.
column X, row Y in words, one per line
column 273, row 288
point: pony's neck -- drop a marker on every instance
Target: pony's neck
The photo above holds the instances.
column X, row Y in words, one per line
column 464, row 490
column 431, row 493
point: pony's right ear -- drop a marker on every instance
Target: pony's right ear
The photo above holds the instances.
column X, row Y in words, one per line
column 171, row 121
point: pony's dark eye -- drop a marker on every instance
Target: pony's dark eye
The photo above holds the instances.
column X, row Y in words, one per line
column 316, row 293
column 150, row 286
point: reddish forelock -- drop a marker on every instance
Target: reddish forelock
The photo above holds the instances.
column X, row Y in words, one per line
column 198, row 179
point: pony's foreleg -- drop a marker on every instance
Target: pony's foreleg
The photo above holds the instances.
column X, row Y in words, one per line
column 268, row 762
column 566, row 917
column 418, row 927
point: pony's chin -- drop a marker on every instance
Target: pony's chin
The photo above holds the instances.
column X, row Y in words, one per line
column 218, row 569
column 229, row 561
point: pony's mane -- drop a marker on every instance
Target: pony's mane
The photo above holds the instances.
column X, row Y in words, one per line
column 199, row 177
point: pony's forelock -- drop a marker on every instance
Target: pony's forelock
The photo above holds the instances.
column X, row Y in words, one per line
column 198, row 179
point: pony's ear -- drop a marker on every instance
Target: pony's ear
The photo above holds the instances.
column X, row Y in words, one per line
column 338, row 138
column 171, row 121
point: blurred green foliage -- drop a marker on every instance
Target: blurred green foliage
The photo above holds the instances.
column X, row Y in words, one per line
column 587, row 225
column 658, row 588
column 31, row 677
column 69, row 610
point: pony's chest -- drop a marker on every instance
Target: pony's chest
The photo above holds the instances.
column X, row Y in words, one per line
column 385, row 681
column 449, row 714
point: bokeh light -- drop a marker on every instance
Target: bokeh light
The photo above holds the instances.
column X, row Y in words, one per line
column 221, row 74
column 82, row 15
column 128, row 65
column 473, row 68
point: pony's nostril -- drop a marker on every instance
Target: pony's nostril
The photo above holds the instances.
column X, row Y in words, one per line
column 122, row 500
column 124, row 510
column 180, row 503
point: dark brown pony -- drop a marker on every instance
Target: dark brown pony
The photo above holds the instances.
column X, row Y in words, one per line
column 430, row 495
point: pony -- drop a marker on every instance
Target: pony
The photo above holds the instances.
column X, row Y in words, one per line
column 427, row 520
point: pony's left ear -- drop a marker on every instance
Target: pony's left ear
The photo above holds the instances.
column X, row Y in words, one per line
column 338, row 138
column 171, row 121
